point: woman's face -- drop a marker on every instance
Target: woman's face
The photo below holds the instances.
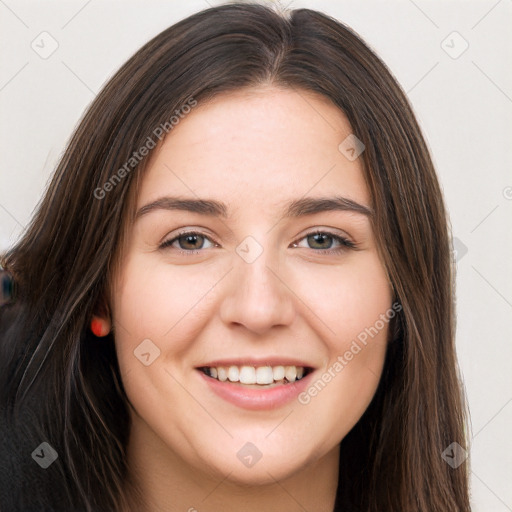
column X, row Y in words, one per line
column 256, row 295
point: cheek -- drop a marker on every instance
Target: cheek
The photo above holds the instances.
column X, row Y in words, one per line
column 350, row 299
column 150, row 299
column 154, row 302
column 354, row 302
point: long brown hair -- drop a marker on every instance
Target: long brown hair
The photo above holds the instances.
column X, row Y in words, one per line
column 61, row 385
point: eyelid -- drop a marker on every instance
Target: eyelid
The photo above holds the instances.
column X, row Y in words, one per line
column 333, row 232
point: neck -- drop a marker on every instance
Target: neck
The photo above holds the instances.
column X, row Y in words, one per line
column 159, row 480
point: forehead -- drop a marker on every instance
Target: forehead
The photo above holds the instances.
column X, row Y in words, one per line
column 256, row 148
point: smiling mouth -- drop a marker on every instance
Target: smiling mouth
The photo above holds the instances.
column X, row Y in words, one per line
column 260, row 376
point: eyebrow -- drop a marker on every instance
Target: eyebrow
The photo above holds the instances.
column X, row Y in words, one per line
column 296, row 208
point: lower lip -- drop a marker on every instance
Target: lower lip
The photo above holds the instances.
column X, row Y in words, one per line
column 257, row 399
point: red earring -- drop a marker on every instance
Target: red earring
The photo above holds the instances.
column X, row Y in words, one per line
column 97, row 328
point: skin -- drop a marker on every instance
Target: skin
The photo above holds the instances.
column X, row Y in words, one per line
column 254, row 150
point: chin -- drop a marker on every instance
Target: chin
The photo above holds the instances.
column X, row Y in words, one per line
column 251, row 466
column 260, row 474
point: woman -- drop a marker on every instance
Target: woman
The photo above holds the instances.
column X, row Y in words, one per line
column 178, row 341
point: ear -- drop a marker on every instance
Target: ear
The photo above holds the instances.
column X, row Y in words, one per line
column 101, row 323
column 100, row 326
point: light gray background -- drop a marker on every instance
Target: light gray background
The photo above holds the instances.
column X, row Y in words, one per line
column 464, row 105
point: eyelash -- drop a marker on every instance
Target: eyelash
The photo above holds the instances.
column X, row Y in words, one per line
column 344, row 242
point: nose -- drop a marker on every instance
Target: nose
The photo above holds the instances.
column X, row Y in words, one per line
column 257, row 297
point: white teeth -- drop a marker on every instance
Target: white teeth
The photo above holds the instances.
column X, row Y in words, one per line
column 278, row 372
column 222, row 374
column 248, row 375
column 290, row 372
column 234, row 374
column 262, row 375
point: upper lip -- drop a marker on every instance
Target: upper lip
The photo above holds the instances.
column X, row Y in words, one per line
column 257, row 362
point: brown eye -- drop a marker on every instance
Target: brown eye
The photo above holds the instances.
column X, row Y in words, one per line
column 188, row 242
column 323, row 240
